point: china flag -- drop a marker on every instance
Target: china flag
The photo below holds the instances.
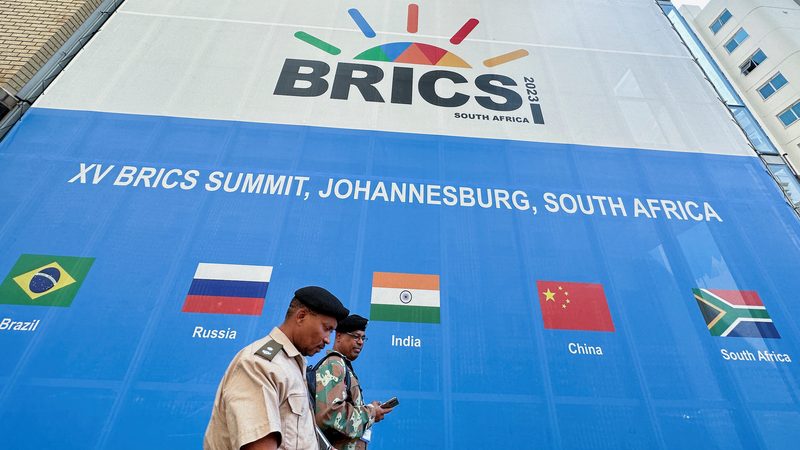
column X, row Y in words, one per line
column 574, row 306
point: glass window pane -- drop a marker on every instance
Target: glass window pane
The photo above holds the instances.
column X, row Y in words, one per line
column 766, row 91
column 737, row 39
column 757, row 58
column 778, row 81
column 720, row 21
column 754, row 132
column 787, row 117
column 787, row 181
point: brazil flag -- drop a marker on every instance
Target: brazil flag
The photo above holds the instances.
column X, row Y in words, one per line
column 44, row 280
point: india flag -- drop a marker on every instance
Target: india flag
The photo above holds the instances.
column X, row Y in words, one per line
column 405, row 297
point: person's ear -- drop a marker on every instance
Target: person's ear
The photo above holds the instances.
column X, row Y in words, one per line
column 301, row 316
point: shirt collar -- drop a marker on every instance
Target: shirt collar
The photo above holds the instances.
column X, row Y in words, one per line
column 282, row 339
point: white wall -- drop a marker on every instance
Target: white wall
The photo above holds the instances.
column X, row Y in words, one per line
column 609, row 73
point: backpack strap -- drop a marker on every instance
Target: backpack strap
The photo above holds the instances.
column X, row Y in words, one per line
column 311, row 377
column 348, row 371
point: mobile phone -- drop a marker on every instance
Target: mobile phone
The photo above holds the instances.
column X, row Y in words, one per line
column 391, row 403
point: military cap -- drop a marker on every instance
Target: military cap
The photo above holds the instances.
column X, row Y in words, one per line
column 321, row 301
column 353, row 322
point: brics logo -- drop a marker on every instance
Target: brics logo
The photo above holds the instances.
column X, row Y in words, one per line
column 44, row 280
column 411, row 52
column 438, row 86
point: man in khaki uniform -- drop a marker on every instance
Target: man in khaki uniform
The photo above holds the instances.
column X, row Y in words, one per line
column 262, row 401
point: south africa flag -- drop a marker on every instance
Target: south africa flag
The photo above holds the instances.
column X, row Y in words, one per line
column 735, row 313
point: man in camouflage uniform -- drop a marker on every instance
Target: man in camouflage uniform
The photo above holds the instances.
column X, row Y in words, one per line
column 342, row 415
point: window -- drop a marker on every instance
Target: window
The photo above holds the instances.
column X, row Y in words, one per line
column 721, row 20
column 752, row 62
column 791, row 114
column 737, row 39
column 753, row 131
column 785, row 177
column 775, row 83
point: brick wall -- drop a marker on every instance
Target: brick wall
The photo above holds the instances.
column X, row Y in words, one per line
column 31, row 31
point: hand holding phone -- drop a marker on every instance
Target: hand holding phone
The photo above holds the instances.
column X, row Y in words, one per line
column 391, row 403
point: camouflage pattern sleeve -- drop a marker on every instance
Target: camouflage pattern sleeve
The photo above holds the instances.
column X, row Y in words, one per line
column 332, row 411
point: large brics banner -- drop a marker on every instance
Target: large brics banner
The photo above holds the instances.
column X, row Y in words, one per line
column 560, row 237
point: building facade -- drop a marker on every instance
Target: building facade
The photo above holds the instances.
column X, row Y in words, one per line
column 32, row 31
column 757, row 45
column 559, row 234
column 37, row 40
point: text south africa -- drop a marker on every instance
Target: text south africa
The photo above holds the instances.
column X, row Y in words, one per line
column 397, row 192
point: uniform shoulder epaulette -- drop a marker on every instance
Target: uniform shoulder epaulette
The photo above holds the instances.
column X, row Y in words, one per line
column 269, row 350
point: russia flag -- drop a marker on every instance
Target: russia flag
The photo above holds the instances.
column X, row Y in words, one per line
column 228, row 289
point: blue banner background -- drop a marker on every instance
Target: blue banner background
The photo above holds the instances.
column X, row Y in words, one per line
column 120, row 369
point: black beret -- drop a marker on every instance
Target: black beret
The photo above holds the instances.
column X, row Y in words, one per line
column 353, row 322
column 321, row 301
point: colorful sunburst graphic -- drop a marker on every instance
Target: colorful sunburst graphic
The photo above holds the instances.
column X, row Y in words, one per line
column 411, row 52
